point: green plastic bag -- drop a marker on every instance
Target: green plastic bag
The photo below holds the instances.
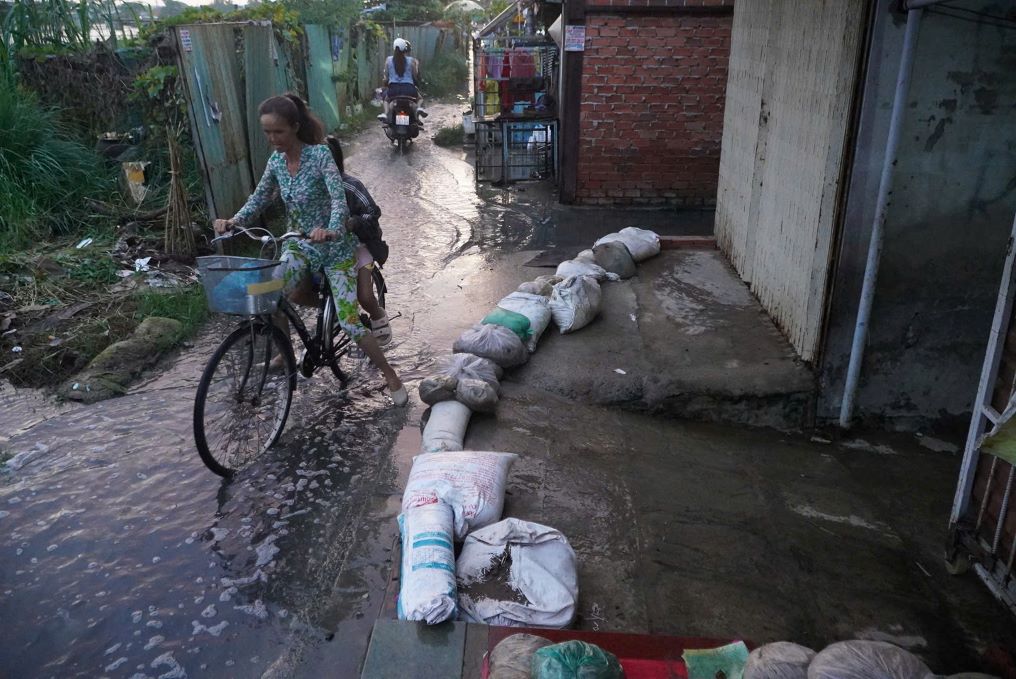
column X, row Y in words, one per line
column 575, row 660
column 515, row 322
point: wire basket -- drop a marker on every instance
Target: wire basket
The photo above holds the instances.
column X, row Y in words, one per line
column 243, row 286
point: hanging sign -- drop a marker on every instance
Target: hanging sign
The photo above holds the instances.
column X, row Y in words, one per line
column 574, row 38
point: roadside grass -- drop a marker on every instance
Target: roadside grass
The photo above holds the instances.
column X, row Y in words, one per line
column 70, row 304
column 186, row 305
column 450, row 136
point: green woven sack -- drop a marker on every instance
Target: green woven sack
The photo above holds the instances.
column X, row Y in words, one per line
column 575, row 660
column 515, row 322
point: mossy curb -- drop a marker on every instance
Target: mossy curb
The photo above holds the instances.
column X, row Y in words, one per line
column 110, row 372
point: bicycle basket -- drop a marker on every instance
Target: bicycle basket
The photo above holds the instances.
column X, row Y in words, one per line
column 242, row 286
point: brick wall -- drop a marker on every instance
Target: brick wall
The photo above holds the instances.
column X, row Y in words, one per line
column 651, row 119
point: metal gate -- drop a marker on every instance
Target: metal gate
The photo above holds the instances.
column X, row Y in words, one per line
column 983, row 522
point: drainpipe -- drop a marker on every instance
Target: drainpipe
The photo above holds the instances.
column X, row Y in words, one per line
column 885, row 188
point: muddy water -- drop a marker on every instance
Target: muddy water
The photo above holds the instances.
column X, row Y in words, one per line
column 121, row 555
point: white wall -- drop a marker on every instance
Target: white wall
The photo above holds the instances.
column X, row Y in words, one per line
column 793, row 68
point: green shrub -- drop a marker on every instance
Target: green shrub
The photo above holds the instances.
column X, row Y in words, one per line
column 450, row 136
column 446, row 74
column 44, row 175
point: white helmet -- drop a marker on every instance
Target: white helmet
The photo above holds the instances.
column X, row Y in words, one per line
column 400, row 45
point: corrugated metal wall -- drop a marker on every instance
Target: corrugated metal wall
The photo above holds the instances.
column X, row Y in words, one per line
column 789, row 97
column 222, row 102
column 321, row 91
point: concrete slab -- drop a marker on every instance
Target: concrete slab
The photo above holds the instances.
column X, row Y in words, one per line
column 692, row 342
column 688, row 528
column 409, row 650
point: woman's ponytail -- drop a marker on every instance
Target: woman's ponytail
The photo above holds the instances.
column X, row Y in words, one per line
column 311, row 130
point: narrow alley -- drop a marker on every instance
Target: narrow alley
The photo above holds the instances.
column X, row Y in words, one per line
column 122, row 555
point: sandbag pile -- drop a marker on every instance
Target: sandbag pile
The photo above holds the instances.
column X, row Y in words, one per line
column 856, row 659
column 511, row 572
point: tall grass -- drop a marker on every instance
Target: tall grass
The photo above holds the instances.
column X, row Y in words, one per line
column 44, row 175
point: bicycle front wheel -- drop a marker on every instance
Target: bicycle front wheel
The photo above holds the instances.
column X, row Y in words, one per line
column 242, row 402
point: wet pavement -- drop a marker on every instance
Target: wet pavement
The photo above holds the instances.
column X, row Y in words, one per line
column 122, row 555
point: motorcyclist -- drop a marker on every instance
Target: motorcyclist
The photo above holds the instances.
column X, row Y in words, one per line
column 401, row 74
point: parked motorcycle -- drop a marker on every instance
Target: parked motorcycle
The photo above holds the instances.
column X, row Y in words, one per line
column 403, row 123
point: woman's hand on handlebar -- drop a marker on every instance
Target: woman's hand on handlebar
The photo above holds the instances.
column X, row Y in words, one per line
column 221, row 226
column 320, row 235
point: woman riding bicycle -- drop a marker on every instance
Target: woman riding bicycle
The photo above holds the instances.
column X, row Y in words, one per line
column 301, row 170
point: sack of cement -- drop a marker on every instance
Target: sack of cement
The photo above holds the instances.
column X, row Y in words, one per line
column 541, row 285
column 516, row 573
column 463, row 365
column 477, row 395
column 641, row 243
column 495, row 342
column 446, row 428
column 614, row 257
column 780, row 660
column 582, row 267
column 575, row 303
column 512, row 658
column 535, row 308
column 437, row 388
column 867, row 660
column 427, row 587
column 575, row 660
column 472, row 482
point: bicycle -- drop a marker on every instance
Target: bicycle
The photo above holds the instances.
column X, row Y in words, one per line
column 241, row 396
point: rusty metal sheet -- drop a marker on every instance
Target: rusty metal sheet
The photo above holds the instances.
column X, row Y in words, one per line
column 266, row 74
column 210, row 66
column 321, row 91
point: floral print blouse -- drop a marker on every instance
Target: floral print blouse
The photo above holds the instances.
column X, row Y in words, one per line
column 314, row 198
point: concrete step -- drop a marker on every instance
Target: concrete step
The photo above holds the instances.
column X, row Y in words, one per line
column 684, row 338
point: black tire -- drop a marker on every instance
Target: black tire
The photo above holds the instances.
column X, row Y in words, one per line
column 402, row 146
column 238, row 391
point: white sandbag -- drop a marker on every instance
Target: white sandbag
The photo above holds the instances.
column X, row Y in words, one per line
column 581, row 267
column 541, row 285
column 512, row 658
column 780, row 660
column 427, row 587
column 495, row 342
column 641, row 243
column 472, row 482
column 465, row 365
column 534, row 307
column 614, row 257
column 446, row 428
column 867, row 660
column 575, row 303
column 476, row 395
column 515, row 560
column 437, row 388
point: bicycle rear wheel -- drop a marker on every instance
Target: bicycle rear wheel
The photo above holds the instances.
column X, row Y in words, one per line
column 241, row 403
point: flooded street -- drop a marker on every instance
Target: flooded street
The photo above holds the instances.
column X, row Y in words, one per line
column 122, row 555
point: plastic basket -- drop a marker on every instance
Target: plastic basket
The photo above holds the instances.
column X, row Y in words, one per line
column 242, row 286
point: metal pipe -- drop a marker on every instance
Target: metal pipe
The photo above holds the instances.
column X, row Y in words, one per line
column 885, row 188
